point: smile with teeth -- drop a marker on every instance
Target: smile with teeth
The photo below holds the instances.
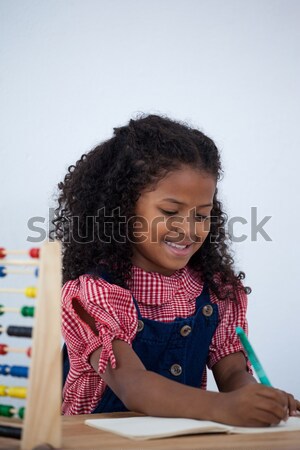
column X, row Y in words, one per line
column 180, row 247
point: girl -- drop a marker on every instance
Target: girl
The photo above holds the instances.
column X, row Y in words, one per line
column 150, row 295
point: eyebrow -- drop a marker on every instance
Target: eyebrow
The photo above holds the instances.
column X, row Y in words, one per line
column 173, row 200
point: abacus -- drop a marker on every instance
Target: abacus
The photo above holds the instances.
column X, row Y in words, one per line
column 40, row 421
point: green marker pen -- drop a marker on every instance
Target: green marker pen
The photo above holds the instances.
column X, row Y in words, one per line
column 252, row 357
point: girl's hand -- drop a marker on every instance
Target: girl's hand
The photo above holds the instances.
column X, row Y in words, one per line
column 293, row 405
column 255, row 405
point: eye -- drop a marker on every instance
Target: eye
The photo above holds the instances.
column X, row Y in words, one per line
column 168, row 213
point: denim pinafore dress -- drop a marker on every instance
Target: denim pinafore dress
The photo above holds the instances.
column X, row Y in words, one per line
column 177, row 350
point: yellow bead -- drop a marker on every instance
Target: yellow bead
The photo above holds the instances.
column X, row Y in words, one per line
column 30, row 292
column 2, row 390
column 19, row 392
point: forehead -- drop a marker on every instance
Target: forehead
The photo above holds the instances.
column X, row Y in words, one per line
column 187, row 185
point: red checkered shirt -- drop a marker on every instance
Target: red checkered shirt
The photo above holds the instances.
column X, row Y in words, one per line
column 159, row 298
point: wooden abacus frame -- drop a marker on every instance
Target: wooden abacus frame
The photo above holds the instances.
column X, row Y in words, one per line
column 42, row 422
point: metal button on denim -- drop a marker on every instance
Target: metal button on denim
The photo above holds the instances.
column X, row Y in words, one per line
column 207, row 310
column 140, row 326
column 185, row 330
column 176, row 370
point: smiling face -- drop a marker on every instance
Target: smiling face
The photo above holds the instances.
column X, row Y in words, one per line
column 172, row 220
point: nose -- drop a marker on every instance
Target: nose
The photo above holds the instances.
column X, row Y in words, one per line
column 188, row 228
column 184, row 227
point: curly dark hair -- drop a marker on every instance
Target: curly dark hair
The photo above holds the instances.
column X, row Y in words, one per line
column 111, row 177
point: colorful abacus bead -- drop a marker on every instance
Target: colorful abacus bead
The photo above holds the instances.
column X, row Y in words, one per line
column 3, row 349
column 10, row 411
column 25, row 311
column 21, row 412
column 13, row 391
column 33, row 252
column 4, row 271
column 17, row 331
column 30, row 292
column 7, row 410
column 19, row 371
column 14, row 371
column 10, row 432
column 16, row 391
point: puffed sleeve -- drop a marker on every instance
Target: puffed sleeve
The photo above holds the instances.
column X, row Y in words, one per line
column 94, row 313
column 225, row 340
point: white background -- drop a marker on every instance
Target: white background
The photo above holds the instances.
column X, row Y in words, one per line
column 72, row 70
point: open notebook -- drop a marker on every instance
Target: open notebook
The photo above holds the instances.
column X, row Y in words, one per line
column 141, row 428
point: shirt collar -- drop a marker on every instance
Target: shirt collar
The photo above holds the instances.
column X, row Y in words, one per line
column 153, row 288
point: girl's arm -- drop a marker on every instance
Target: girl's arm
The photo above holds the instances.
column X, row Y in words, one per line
column 152, row 394
column 231, row 372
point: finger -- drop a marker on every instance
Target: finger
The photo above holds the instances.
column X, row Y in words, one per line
column 292, row 405
column 264, row 419
column 295, row 408
column 275, row 395
column 276, row 411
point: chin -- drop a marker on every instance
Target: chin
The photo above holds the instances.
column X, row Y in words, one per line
column 173, row 267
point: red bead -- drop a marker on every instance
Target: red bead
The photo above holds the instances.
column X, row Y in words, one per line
column 2, row 252
column 28, row 353
column 3, row 348
column 34, row 252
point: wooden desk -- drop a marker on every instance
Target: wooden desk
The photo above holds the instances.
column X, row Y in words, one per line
column 77, row 436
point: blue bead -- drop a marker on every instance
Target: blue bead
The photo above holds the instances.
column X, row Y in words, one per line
column 19, row 371
column 4, row 369
column 2, row 272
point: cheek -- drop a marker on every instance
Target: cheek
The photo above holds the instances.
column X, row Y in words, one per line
column 140, row 229
column 158, row 229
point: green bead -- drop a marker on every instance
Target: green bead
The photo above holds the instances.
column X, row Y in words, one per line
column 27, row 311
column 1, row 311
column 21, row 412
column 5, row 410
